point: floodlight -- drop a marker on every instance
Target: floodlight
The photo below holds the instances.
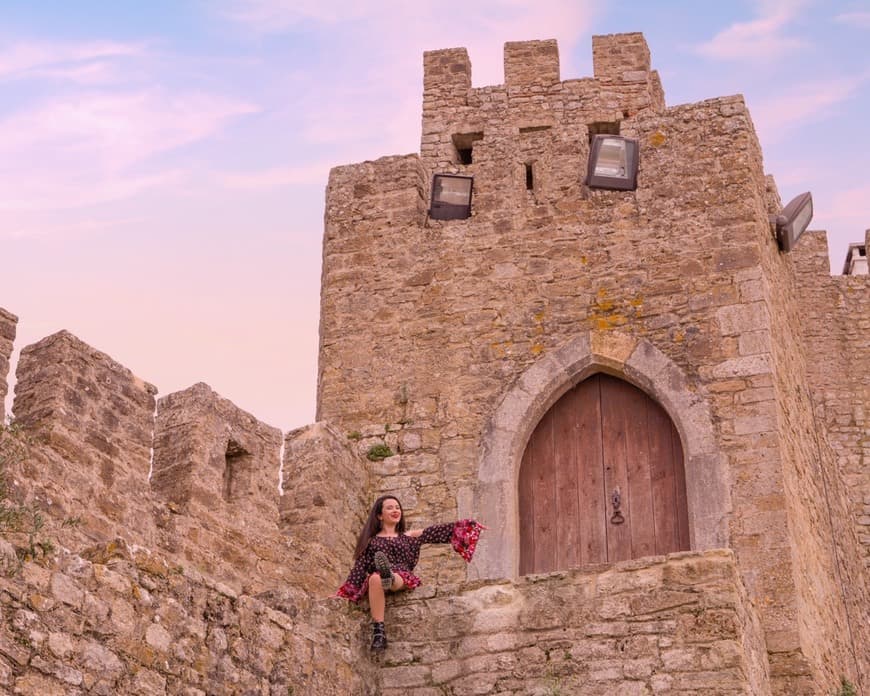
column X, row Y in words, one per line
column 451, row 197
column 792, row 222
column 613, row 163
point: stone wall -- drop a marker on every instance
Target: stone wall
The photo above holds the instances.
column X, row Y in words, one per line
column 831, row 316
column 216, row 467
column 811, row 499
column 117, row 620
column 97, row 418
column 195, row 584
column 325, row 504
column 680, row 624
column 8, row 322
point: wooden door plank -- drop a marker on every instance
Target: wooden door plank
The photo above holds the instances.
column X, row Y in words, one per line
column 682, row 506
column 565, row 452
column 662, row 471
column 615, row 399
column 641, row 519
column 544, row 486
column 590, row 472
column 527, row 512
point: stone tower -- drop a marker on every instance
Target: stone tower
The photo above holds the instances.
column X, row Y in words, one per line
column 452, row 341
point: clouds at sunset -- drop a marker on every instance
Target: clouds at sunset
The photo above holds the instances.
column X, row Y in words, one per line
column 165, row 170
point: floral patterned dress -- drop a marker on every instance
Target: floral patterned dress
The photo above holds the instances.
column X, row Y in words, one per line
column 403, row 551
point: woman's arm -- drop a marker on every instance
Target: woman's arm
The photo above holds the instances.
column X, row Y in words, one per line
column 354, row 588
column 462, row 535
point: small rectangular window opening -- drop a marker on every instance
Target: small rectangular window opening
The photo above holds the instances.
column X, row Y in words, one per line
column 533, row 129
column 603, row 128
column 464, row 144
column 237, row 472
column 530, row 177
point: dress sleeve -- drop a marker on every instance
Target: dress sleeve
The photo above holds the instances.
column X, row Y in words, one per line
column 356, row 585
column 462, row 535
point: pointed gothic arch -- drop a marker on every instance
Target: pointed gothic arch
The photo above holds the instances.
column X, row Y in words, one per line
column 601, row 479
column 494, row 498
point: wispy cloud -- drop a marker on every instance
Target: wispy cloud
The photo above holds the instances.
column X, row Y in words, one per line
column 366, row 99
column 764, row 37
column 101, row 136
column 275, row 16
column 856, row 19
column 25, row 59
column 78, row 227
column 802, row 103
column 413, row 27
column 276, row 177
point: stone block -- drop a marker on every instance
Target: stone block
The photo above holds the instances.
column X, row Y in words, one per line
column 93, row 410
column 528, row 63
column 211, row 455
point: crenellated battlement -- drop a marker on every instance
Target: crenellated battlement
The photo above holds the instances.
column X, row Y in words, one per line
column 190, row 473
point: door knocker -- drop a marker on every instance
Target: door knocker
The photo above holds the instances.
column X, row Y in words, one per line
column 616, row 500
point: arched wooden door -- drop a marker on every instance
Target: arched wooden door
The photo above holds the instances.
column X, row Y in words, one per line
column 602, row 479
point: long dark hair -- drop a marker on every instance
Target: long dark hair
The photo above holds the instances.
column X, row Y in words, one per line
column 373, row 525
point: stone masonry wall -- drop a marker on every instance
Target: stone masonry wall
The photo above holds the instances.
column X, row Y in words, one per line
column 97, row 417
column 117, row 620
column 813, row 490
column 217, row 465
column 470, row 305
column 836, row 328
column 833, row 321
column 680, row 624
column 194, row 585
column 325, row 504
column 8, row 322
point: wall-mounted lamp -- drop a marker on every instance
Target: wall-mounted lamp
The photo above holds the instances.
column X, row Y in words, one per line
column 612, row 163
column 451, row 197
column 792, row 222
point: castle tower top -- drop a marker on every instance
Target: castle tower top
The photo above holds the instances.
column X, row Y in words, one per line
column 531, row 63
column 620, row 57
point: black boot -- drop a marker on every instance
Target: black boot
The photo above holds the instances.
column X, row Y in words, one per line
column 382, row 565
column 379, row 637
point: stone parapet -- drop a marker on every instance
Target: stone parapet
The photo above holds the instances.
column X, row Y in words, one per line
column 8, row 322
column 122, row 620
column 216, row 466
column 676, row 624
column 93, row 409
column 97, row 418
column 531, row 64
column 446, row 78
column 325, row 503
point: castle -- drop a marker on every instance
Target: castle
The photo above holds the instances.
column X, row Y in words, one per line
column 660, row 413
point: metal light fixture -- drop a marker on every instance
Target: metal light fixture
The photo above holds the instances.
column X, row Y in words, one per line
column 613, row 163
column 793, row 221
column 451, row 197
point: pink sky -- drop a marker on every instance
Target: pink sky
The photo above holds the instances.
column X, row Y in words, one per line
column 162, row 170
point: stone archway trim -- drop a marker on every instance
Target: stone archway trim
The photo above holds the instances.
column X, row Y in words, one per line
column 493, row 499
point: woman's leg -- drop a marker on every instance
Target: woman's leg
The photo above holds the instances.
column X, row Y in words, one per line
column 376, row 597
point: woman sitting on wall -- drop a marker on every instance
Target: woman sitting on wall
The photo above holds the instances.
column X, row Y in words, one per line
column 386, row 555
